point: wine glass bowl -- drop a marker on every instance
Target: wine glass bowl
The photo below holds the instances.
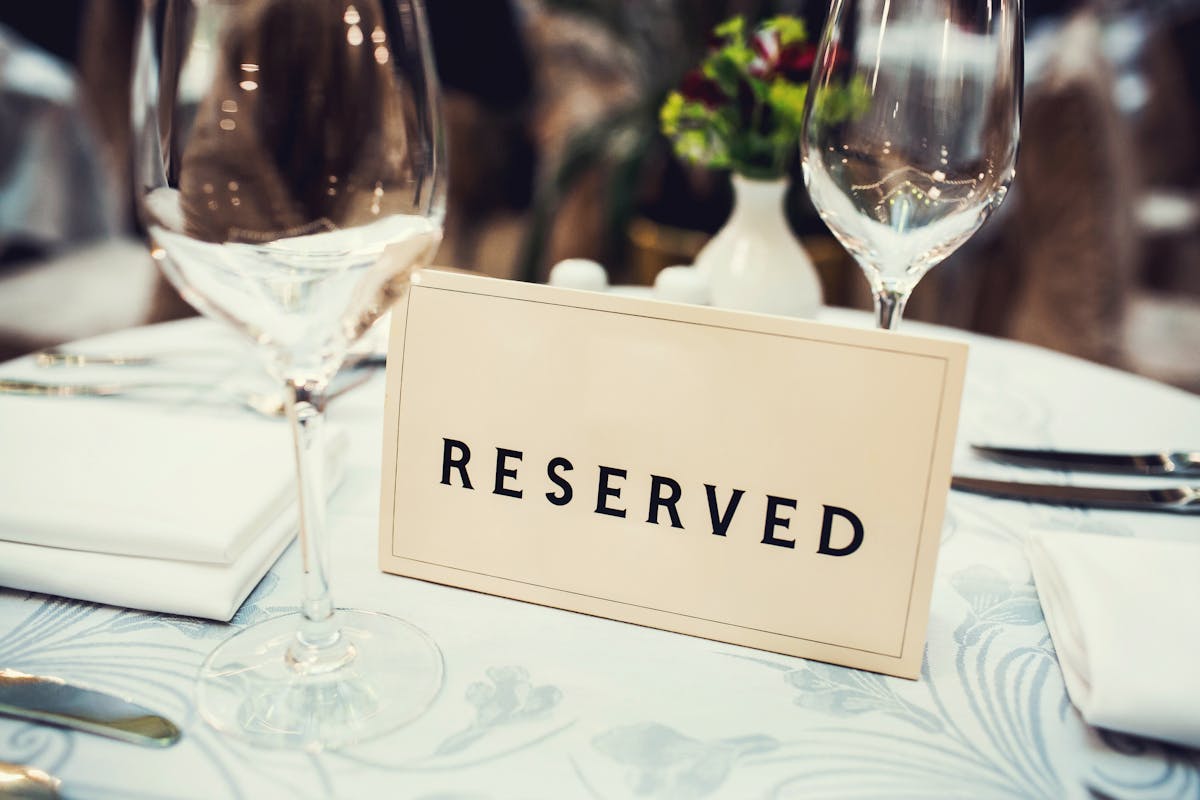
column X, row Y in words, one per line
column 290, row 171
column 284, row 147
column 911, row 130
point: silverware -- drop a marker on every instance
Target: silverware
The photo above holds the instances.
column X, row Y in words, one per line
column 57, row 357
column 1177, row 499
column 53, row 357
column 269, row 405
column 21, row 782
column 1183, row 464
column 56, row 702
column 263, row 403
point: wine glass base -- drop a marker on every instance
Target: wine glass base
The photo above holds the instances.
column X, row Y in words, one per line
column 249, row 688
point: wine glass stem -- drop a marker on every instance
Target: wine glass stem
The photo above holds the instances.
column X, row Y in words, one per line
column 318, row 642
column 889, row 307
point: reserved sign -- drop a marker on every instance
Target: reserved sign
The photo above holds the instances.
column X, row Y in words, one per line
column 756, row 480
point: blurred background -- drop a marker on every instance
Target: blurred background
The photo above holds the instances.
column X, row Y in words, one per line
column 551, row 107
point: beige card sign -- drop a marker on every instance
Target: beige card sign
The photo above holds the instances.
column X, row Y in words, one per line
column 757, row 480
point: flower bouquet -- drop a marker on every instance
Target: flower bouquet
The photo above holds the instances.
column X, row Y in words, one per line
column 743, row 107
column 743, row 110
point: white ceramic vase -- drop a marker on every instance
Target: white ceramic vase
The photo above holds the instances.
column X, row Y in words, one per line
column 754, row 263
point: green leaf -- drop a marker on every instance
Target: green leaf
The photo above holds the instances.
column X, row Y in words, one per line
column 724, row 68
column 834, row 104
column 787, row 99
column 732, row 28
column 669, row 114
column 760, row 88
column 789, row 29
column 700, row 146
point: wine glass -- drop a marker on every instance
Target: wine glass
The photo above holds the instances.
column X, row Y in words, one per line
column 290, row 170
column 910, row 133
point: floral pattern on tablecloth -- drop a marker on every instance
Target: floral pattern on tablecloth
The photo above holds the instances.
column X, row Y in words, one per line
column 540, row 703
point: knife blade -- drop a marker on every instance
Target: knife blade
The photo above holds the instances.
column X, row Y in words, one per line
column 57, row 702
column 1176, row 499
column 1182, row 464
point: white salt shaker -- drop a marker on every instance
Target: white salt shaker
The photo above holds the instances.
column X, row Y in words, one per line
column 682, row 284
column 579, row 273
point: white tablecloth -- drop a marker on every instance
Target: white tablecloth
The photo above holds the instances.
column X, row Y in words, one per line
column 540, row 703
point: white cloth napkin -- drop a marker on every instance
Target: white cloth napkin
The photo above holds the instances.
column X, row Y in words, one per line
column 1124, row 615
column 140, row 480
column 142, row 506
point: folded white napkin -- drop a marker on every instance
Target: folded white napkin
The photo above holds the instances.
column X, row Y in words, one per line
column 142, row 506
column 137, row 479
column 1124, row 615
column 190, row 588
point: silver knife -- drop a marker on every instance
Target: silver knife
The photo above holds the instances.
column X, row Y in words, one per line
column 1182, row 464
column 56, row 702
column 1178, row 499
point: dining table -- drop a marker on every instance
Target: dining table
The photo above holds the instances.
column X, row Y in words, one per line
column 538, row 702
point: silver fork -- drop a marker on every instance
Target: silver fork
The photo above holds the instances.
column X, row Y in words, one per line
column 56, row 357
column 271, row 405
column 53, row 357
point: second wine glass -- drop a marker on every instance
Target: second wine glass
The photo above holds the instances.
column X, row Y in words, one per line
column 911, row 129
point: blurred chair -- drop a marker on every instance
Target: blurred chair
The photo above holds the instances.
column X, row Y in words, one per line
column 1157, row 89
column 1057, row 264
column 65, row 269
column 1073, row 222
column 85, row 291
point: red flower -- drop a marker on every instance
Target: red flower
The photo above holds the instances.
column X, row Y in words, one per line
column 698, row 88
column 766, row 55
column 835, row 57
column 796, row 61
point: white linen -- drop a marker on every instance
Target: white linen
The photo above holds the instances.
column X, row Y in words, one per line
column 549, row 704
column 139, row 479
column 145, row 507
column 1124, row 615
column 190, row 588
